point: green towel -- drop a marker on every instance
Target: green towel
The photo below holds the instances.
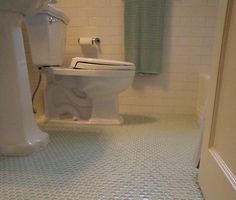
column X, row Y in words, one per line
column 144, row 26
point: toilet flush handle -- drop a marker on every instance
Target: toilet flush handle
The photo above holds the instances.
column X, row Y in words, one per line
column 52, row 19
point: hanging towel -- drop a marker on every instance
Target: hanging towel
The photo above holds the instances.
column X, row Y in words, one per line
column 144, row 26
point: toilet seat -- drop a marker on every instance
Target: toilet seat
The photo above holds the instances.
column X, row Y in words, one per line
column 91, row 67
column 100, row 64
column 65, row 71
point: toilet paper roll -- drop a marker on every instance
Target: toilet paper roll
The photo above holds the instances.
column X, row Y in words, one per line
column 86, row 41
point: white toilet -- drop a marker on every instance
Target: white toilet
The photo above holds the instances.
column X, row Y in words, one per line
column 85, row 92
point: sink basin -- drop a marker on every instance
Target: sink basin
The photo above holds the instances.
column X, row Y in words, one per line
column 22, row 6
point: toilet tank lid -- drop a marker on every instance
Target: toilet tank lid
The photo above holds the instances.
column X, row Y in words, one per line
column 55, row 12
column 95, row 61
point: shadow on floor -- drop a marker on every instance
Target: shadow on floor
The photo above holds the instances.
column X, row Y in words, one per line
column 132, row 119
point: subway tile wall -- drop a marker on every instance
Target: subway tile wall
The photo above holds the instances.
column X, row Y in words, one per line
column 189, row 36
column 88, row 18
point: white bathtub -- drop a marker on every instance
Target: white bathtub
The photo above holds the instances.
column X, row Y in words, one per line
column 203, row 87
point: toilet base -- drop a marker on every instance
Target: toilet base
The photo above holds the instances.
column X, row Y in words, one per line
column 85, row 98
column 93, row 121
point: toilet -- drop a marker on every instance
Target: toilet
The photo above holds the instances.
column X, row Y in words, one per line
column 86, row 92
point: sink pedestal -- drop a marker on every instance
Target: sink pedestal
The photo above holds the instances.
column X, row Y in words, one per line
column 19, row 133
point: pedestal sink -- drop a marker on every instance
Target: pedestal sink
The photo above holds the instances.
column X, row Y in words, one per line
column 19, row 133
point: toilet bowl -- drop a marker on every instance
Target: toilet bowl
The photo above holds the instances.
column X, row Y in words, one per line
column 86, row 92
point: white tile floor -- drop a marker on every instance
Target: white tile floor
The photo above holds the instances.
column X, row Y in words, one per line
column 149, row 157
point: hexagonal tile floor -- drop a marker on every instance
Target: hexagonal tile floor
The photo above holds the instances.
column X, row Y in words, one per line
column 147, row 158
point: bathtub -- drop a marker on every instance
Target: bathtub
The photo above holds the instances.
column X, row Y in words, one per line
column 202, row 95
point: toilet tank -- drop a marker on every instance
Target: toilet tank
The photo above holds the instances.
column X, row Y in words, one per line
column 47, row 36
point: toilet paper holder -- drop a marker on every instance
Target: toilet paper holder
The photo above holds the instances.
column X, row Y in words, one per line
column 93, row 40
column 96, row 40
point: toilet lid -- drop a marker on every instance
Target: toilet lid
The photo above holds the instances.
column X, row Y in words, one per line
column 96, row 64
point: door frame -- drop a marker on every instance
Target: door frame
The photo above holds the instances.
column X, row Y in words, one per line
column 210, row 159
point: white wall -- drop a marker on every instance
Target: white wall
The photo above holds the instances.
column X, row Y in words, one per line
column 189, row 34
column 188, row 42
